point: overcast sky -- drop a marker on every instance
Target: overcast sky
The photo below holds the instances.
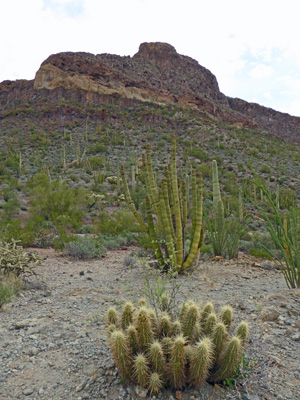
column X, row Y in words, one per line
column 251, row 46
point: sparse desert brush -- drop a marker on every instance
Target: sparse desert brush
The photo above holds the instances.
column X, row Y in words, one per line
column 84, row 248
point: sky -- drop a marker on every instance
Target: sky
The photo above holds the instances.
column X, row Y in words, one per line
column 252, row 46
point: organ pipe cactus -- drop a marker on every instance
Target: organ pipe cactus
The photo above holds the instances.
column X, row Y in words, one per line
column 159, row 352
column 167, row 214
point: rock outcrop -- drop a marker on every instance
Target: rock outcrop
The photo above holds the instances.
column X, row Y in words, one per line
column 157, row 74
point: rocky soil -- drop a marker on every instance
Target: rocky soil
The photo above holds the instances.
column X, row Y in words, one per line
column 53, row 343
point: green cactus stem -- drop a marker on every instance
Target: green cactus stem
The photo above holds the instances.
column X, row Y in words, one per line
column 216, row 188
column 144, row 328
column 200, row 362
column 157, row 359
column 177, row 363
column 141, row 370
column 177, row 210
column 131, row 337
column 177, row 328
column 127, row 315
column 155, row 384
column 226, row 316
column 111, row 317
column 121, row 353
column 195, row 248
column 219, row 336
column 165, row 325
column 210, row 324
column 206, row 311
column 229, row 360
column 131, row 203
column 190, row 322
column 242, row 332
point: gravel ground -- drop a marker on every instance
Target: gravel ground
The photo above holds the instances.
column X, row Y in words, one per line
column 53, row 343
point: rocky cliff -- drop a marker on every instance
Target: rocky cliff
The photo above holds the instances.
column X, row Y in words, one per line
column 157, row 74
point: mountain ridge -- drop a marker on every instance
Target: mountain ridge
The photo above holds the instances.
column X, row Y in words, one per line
column 157, row 74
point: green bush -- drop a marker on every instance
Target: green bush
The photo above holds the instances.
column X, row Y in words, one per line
column 6, row 294
column 84, row 248
column 116, row 223
column 55, row 201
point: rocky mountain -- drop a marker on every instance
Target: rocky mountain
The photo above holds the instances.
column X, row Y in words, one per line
column 156, row 74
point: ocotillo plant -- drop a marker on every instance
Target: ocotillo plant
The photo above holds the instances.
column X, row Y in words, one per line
column 168, row 202
column 158, row 352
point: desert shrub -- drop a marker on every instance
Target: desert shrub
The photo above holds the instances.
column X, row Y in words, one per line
column 55, row 201
column 284, row 232
column 6, row 293
column 84, row 248
column 130, row 261
column 96, row 162
column 116, row 223
column 159, row 351
column 265, row 169
column 97, row 148
column 198, row 153
column 287, row 198
column 10, row 286
column 259, row 253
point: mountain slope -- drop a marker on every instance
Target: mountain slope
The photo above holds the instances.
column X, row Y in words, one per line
column 156, row 74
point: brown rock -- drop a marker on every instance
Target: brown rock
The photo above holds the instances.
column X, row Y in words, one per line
column 269, row 314
column 156, row 73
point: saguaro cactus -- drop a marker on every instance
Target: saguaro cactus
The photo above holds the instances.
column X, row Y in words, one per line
column 167, row 200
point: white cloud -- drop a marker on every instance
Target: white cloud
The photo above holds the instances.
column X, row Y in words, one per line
column 261, row 71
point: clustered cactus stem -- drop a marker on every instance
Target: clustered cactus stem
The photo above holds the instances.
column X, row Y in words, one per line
column 167, row 213
column 157, row 352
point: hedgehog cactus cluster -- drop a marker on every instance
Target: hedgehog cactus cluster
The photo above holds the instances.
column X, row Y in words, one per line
column 167, row 213
column 157, row 352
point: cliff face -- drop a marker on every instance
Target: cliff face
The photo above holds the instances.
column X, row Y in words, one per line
column 157, row 73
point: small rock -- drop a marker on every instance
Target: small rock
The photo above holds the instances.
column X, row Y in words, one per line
column 269, row 314
column 81, row 273
column 28, row 391
column 142, row 392
column 296, row 337
column 25, row 323
column 247, row 396
column 178, row 394
column 80, row 386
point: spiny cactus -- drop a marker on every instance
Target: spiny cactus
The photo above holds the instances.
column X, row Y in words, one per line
column 226, row 315
column 121, row 352
column 144, row 328
column 177, row 365
column 127, row 315
column 111, row 317
column 168, row 201
column 156, row 352
column 228, row 360
column 200, row 362
column 141, row 369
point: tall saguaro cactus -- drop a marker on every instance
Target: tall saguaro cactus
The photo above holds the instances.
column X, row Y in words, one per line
column 167, row 201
